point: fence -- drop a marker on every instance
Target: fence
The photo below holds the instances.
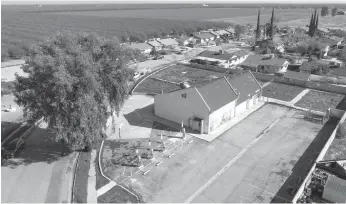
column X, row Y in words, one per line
column 319, row 158
column 213, row 68
column 306, row 84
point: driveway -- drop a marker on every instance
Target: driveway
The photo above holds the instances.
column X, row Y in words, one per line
column 40, row 174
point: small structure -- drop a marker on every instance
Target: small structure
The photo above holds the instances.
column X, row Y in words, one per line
column 308, row 66
column 215, row 34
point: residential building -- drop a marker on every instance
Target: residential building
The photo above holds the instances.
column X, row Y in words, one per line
column 269, row 65
column 341, row 13
column 155, row 44
column 223, row 33
column 231, row 31
column 225, row 59
column 203, row 37
column 215, row 34
column 142, row 47
column 297, row 75
column 168, row 43
column 207, row 105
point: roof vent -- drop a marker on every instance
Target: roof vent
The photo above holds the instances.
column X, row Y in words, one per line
column 184, row 85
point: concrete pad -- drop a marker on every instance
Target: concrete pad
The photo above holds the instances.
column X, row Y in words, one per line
column 10, row 116
column 260, row 172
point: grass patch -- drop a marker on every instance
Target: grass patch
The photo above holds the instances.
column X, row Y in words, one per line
column 180, row 73
column 100, row 180
column 282, row 92
column 81, row 180
column 117, row 195
column 153, row 86
column 337, row 149
column 320, row 101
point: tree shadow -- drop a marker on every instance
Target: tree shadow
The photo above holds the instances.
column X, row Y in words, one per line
column 7, row 128
column 40, row 146
column 304, row 163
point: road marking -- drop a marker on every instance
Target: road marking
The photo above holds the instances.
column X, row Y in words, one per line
column 218, row 174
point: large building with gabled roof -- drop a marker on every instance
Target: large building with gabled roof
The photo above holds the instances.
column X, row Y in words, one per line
column 207, row 105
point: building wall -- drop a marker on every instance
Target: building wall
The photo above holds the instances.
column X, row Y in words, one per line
column 174, row 107
column 221, row 115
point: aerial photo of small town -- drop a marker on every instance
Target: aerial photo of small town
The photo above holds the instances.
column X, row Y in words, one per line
column 173, row 101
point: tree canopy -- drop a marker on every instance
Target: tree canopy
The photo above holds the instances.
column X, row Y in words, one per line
column 74, row 82
column 324, row 11
column 239, row 30
column 334, row 11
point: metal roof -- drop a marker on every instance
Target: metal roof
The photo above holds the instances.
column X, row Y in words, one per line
column 335, row 190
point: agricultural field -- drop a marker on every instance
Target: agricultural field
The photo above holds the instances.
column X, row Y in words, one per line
column 319, row 100
column 282, row 92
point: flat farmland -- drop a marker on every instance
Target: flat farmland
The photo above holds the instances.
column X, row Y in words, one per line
column 256, row 176
column 188, row 13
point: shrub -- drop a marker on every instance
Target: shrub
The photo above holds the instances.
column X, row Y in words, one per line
column 15, row 52
column 341, row 131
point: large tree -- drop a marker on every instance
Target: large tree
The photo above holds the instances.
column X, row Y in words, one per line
column 334, row 11
column 271, row 31
column 258, row 29
column 75, row 82
column 324, row 11
column 239, row 30
column 311, row 25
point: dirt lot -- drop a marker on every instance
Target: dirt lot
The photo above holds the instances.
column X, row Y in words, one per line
column 153, row 86
column 180, row 176
column 282, row 92
column 181, row 73
column 320, row 101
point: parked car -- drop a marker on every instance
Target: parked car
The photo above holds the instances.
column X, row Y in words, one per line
column 158, row 57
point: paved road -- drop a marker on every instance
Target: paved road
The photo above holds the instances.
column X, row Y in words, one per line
column 39, row 175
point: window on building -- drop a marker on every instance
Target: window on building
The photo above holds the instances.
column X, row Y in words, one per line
column 183, row 95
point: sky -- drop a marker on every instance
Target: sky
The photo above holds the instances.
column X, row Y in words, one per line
column 171, row 1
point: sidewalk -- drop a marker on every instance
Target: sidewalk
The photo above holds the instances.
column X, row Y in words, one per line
column 223, row 128
column 299, row 96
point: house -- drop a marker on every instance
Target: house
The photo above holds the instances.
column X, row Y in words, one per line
column 203, row 37
column 297, row 75
column 225, row 59
column 142, row 47
column 207, row 105
column 251, row 62
column 168, row 43
column 334, row 190
column 155, row 44
column 337, row 39
column 341, row 13
column 273, row 65
column 215, row 34
column 231, row 31
column 223, row 33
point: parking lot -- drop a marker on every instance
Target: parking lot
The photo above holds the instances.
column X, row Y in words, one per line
column 254, row 176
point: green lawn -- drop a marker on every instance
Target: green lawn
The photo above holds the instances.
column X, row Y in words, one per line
column 153, row 86
column 282, row 92
column 337, row 150
column 320, row 101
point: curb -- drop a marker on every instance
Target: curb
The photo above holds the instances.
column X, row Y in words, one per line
column 73, row 181
column 110, row 180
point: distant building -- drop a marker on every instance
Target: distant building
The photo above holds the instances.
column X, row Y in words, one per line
column 269, row 65
column 168, row 43
column 225, row 59
column 206, row 106
column 308, row 66
column 155, row 44
column 223, row 33
column 341, row 13
column 203, row 37
column 142, row 47
column 297, row 75
column 215, row 34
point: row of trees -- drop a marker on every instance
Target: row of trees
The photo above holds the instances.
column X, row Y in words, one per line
column 325, row 11
column 269, row 28
column 313, row 26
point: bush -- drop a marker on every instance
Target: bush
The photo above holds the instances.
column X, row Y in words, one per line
column 341, row 131
column 15, row 52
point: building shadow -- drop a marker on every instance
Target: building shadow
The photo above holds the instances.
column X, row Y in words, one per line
column 342, row 104
column 304, row 164
column 40, row 146
column 139, row 116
